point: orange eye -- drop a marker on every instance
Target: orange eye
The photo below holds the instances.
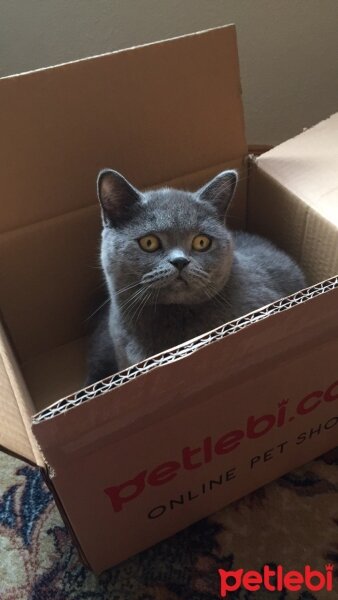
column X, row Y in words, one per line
column 149, row 243
column 201, row 243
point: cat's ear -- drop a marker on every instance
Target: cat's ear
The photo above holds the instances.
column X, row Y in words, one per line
column 219, row 191
column 118, row 198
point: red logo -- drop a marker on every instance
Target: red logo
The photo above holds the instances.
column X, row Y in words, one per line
column 193, row 458
column 275, row 580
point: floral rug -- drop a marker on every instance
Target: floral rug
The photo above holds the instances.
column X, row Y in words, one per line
column 291, row 522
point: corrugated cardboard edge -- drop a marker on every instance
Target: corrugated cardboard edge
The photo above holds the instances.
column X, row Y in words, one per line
column 183, row 350
column 16, row 408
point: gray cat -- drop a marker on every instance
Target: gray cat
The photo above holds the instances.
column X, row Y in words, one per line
column 174, row 270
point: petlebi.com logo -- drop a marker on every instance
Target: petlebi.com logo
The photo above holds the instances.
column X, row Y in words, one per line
column 275, row 580
column 122, row 494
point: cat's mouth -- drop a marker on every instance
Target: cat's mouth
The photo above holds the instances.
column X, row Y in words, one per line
column 179, row 289
column 180, row 280
column 175, row 282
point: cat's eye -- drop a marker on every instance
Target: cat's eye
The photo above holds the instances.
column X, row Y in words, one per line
column 201, row 243
column 149, row 243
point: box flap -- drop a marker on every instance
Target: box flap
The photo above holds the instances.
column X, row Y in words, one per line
column 169, row 112
column 154, row 113
column 15, row 408
column 307, row 165
column 296, row 185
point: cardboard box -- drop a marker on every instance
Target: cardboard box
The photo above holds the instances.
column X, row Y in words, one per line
column 215, row 418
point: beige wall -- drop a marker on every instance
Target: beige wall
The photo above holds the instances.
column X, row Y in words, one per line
column 288, row 48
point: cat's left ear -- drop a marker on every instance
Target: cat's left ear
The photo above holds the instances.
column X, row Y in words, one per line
column 219, row 191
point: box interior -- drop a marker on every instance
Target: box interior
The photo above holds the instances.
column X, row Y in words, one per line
column 42, row 373
column 66, row 123
column 137, row 111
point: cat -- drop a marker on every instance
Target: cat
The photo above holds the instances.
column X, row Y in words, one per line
column 175, row 271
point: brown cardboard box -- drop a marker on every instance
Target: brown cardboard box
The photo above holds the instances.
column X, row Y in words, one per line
column 135, row 458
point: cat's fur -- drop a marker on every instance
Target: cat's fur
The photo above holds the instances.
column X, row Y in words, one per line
column 153, row 305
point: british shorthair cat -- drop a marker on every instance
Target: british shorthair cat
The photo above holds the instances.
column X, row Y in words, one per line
column 175, row 271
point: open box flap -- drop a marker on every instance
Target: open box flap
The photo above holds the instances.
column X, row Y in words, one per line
column 307, row 165
column 168, row 112
column 296, row 184
column 154, row 113
column 15, row 408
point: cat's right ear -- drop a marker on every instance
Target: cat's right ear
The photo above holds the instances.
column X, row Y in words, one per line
column 118, row 198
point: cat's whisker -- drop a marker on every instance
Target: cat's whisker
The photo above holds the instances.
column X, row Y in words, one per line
column 222, row 300
column 214, row 298
column 97, row 287
column 219, row 296
column 216, row 291
column 99, row 308
column 131, row 301
column 139, row 302
column 127, row 310
column 239, row 180
column 202, row 276
column 156, row 299
column 134, row 298
column 127, row 288
column 142, row 305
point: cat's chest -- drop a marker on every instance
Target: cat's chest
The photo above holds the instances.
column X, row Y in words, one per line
column 171, row 325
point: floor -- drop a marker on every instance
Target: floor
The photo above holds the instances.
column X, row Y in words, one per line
column 292, row 522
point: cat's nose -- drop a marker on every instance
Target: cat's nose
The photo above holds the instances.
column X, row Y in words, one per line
column 180, row 262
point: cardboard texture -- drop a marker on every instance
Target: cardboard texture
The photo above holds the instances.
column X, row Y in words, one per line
column 62, row 125
column 16, row 408
column 148, row 422
column 138, row 456
column 300, row 178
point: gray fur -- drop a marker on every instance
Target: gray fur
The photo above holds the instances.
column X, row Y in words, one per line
column 154, row 306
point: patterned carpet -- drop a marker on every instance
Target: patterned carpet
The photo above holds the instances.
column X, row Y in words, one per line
column 293, row 522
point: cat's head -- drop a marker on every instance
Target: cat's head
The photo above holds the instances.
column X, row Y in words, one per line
column 165, row 246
